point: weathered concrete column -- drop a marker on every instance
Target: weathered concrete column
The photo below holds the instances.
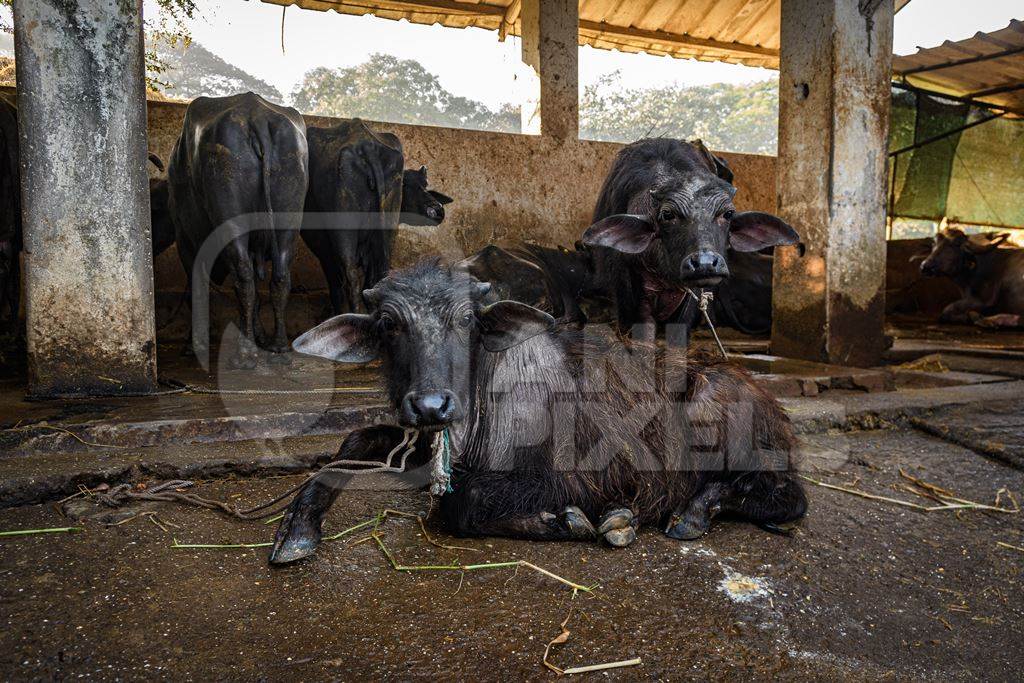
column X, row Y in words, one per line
column 88, row 263
column 551, row 47
column 835, row 67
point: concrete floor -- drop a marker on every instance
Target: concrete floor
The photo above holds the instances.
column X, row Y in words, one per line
column 863, row 590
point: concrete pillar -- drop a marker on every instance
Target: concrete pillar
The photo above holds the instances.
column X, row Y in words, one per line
column 550, row 39
column 834, row 72
column 82, row 121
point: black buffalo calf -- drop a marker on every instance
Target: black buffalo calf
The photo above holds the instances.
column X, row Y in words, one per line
column 556, row 434
column 665, row 222
column 420, row 204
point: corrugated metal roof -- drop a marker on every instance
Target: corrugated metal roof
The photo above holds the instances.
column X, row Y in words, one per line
column 988, row 67
column 736, row 31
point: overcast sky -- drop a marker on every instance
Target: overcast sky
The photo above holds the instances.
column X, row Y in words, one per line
column 471, row 62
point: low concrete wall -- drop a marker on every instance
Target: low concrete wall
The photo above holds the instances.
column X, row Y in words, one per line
column 507, row 188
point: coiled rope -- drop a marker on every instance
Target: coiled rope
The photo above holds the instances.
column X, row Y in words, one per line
column 172, row 491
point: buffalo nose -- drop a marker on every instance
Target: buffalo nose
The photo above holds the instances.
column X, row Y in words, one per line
column 429, row 408
column 705, row 263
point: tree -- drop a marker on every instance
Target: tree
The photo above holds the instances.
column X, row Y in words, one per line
column 190, row 70
column 737, row 118
column 385, row 88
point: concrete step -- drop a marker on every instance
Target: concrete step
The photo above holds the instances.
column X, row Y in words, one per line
column 48, row 476
column 789, row 378
column 55, row 475
column 122, row 429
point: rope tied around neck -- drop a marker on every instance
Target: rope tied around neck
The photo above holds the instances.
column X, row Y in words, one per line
column 441, row 464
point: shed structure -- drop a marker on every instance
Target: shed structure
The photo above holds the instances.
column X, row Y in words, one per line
column 834, row 58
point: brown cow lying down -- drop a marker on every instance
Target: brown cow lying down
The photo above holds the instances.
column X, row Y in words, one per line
column 990, row 277
column 555, row 433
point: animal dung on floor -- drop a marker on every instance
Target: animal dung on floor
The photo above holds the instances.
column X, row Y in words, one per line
column 742, row 588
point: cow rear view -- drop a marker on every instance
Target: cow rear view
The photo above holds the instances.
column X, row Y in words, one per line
column 237, row 179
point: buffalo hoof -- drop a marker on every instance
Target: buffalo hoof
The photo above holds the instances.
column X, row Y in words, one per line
column 692, row 524
column 280, row 358
column 189, row 351
column 570, row 523
column 618, row 527
column 243, row 361
column 297, row 537
column 687, row 529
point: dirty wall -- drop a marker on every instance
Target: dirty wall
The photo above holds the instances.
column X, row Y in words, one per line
column 507, row 188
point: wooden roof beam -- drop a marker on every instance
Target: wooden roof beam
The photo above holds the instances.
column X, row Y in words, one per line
column 508, row 20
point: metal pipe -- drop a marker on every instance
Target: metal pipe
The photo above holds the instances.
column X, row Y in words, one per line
column 940, row 136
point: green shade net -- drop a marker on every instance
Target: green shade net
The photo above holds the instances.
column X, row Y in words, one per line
column 975, row 176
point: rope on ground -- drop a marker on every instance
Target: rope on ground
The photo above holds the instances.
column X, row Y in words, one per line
column 178, row 387
column 173, row 491
column 184, row 388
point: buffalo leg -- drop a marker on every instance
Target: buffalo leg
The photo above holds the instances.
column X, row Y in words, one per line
column 281, row 284
column 694, row 520
column 335, row 287
column 514, row 505
column 299, row 532
column 354, row 281
column 772, row 500
column 245, row 290
column 187, row 253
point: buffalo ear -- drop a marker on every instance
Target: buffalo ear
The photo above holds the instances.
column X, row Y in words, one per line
column 507, row 323
column 720, row 165
column 443, row 198
column 625, row 232
column 754, row 231
column 344, row 338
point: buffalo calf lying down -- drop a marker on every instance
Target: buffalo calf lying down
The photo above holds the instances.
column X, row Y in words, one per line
column 990, row 277
column 556, row 434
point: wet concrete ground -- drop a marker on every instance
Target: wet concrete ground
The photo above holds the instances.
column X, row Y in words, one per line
column 863, row 590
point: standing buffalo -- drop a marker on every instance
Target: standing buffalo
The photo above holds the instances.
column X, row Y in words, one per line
column 352, row 207
column 237, row 179
column 541, row 447
column 990, row 278
column 421, row 206
column 10, row 217
column 663, row 223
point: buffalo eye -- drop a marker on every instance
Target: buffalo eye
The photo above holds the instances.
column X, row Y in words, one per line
column 666, row 215
column 388, row 324
column 466, row 320
column 727, row 215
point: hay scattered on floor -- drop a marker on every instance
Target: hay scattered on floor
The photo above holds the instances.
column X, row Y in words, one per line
column 51, row 530
column 930, row 363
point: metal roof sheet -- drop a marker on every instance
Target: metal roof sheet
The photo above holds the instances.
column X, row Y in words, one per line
column 735, row 31
column 988, row 67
